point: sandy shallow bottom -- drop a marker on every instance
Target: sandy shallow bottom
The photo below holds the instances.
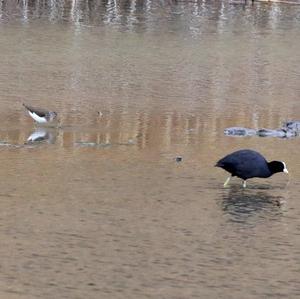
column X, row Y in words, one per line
column 101, row 208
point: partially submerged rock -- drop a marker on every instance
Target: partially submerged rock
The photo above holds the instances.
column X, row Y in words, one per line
column 281, row 133
column 292, row 125
column 289, row 129
column 239, row 131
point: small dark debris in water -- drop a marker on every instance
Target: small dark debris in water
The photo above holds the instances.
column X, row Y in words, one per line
column 178, row 159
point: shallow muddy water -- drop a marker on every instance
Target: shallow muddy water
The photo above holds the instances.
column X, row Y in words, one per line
column 100, row 208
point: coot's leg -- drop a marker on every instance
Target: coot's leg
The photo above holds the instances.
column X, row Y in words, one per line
column 244, row 184
column 227, row 181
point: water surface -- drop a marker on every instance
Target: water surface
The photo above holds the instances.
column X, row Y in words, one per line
column 101, row 209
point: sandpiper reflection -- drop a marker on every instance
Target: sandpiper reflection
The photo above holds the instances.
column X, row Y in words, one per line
column 42, row 134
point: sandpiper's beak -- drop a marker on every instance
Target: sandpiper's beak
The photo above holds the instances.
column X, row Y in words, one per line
column 285, row 170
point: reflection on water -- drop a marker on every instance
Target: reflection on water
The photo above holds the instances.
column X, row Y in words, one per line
column 242, row 204
column 147, row 15
column 42, row 134
column 141, row 128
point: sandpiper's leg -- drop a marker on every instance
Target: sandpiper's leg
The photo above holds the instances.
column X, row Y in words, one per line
column 227, row 181
column 244, row 184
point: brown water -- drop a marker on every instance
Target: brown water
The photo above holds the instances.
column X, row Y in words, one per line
column 101, row 209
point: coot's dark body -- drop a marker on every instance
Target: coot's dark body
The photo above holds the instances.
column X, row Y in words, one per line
column 245, row 164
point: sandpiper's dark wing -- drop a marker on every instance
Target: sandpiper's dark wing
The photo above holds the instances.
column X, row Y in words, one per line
column 38, row 111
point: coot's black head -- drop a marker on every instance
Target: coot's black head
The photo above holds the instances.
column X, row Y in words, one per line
column 277, row 166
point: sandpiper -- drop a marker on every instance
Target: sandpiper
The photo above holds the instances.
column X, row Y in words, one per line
column 41, row 116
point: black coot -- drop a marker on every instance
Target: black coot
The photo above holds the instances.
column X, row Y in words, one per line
column 247, row 164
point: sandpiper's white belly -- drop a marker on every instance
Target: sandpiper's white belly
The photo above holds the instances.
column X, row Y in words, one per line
column 37, row 118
